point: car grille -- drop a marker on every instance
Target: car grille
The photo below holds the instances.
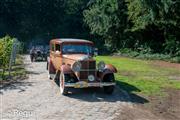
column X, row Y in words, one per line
column 87, row 68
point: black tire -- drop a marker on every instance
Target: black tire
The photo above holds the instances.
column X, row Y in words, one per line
column 31, row 57
column 47, row 66
column 45, row 57
column 109, row 89
column 62, row 79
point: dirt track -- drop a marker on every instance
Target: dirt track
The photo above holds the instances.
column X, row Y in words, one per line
column 38, row 98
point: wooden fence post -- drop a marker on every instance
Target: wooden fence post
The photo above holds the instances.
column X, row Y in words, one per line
column 13, row 56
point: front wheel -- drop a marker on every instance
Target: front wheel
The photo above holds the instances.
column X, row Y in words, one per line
column 109, row 78
column 62, row 79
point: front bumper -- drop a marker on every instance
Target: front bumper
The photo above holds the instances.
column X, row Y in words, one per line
column 83, row 84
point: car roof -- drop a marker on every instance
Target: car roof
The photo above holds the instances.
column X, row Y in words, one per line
column 70, row 40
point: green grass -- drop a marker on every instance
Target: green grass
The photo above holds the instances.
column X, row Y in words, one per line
column 142, row 77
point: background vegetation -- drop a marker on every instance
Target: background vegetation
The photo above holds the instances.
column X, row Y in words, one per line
column 139, row 25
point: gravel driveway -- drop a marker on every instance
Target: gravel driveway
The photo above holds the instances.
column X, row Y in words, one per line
column 38, row 98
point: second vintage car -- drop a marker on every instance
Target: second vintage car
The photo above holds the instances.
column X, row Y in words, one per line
column 71, row 65
column 38, row 53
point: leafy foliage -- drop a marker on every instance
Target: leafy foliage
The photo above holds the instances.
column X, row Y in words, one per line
column 42, row 19
column 147, row 55
column 107, row 18
column 135, row 23
column 158, row 18
column 111, row 24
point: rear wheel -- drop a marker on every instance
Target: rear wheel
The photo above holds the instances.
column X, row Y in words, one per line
column 32, row 58
column 62, row 79
column 47, row 65
column 45, row 58
column 109, row 89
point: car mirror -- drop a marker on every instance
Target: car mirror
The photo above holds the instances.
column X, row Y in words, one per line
column 95, row 51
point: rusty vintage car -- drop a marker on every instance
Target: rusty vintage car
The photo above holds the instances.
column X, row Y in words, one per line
column 71, row 65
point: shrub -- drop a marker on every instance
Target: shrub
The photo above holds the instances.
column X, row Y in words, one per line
column 5, row 50
column 175, row 59
column 146, row 54
column 128, row 52
column 172, row 46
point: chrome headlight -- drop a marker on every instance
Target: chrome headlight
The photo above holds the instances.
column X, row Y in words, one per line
column 101, row 66
column 91, row 78
column 76, row 67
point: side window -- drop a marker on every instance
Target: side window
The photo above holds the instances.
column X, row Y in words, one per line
column 52, row 47
column 58, row 48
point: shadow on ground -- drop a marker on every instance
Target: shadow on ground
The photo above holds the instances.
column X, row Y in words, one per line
column 98, row 95
column 130, row 89
column 33, row 73
column 19, row 85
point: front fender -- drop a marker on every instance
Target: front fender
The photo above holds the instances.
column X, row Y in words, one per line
column 66, row 69
column 109, row 69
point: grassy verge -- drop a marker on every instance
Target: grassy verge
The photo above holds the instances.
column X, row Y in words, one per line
column 143, row 77
column 18, row 70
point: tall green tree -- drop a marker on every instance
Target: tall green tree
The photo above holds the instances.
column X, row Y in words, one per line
column 159, row 21
column 31, row 19
column 107, row 18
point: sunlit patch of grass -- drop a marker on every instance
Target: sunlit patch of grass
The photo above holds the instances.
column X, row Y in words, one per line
column 142, row 75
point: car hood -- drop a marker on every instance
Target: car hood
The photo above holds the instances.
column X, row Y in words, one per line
column 78, row 57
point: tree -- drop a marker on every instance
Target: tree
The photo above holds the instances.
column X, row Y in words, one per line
column 107, row 18
column 45, row 19
column 158, row 20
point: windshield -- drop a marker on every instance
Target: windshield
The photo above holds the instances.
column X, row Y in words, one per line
column 73, row 48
